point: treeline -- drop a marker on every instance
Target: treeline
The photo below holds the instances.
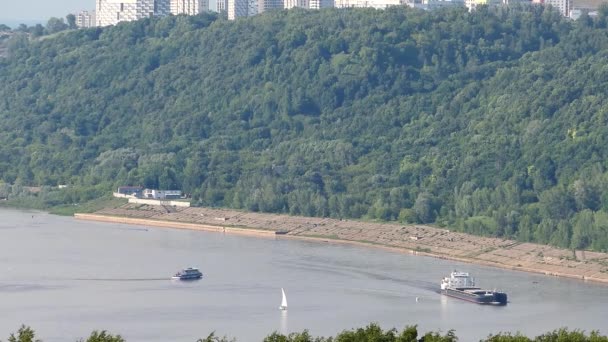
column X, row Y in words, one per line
column 371, row 333
column 24, row 32
column 53, row 25
column 492, row 122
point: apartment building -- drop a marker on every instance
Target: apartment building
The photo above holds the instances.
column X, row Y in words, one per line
column 318, row 4
column 85, row 19
column 266, row 5
column 238, row 8
column 189, row 7
column 473, row 4
column 221, row 6
column 430, row 5
column 563, row 6
column 380, row 4
column 287, row 4
column 111, row 12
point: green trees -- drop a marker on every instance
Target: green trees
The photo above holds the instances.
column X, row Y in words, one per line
column 371, row 333
column 374, row 333
column 554, row 336
column 55, row 25
column 295, row 337
column 71, row 21
column 27, row 334
column 491, row 122
column 213, row 338
column 103, row 336
column 24, row 334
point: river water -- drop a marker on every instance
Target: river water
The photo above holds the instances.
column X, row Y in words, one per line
column 66, row 278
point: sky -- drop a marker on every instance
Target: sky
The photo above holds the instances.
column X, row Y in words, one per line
column 13, row 12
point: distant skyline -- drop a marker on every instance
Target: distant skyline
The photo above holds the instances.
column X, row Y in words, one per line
column 39, row 11
column 31, row 12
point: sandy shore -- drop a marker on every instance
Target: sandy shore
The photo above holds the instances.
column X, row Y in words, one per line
column 175, row 225
column 413, row 239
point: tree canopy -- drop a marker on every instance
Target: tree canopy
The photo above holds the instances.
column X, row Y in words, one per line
column 491, row 122
column 371, row 333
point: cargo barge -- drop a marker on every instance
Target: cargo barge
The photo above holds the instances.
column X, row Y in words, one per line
column 462, row 286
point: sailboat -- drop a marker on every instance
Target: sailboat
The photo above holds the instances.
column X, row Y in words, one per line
column 283, row 301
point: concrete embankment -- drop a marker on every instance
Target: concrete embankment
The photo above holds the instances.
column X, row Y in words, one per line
column 176, row 225
column 412, row 239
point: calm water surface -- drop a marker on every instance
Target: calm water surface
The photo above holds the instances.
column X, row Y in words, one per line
column 66, row 278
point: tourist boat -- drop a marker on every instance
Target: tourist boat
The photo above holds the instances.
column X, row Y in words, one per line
column 189, row 273
column 461, row 285
column 283, row 301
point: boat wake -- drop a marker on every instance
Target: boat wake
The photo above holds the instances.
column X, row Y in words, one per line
column 121, row 279
column 352, row 270
column 24, row 287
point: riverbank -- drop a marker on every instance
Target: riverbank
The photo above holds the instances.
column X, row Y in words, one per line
column 413, row 239
column 174, row 225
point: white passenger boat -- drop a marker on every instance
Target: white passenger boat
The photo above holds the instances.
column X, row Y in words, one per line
column 189, row 273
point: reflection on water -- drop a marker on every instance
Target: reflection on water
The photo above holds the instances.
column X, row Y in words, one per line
column 96, row 276
column 284, row 328
column 444, row 302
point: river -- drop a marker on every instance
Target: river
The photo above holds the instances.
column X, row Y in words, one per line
column 66, row 278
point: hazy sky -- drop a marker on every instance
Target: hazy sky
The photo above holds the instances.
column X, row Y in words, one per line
column 12, row 11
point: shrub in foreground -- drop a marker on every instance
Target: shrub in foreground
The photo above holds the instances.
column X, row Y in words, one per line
column 371, row 333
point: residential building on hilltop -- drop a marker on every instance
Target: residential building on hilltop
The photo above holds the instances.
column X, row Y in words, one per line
column 252, row 7
column 221, row 6
column 563, row 6
column 588, row 7
column 434, row 4
column 472, row 4
column 318, row 4
column 237, row 9
column 85, row 19
column 287, row 4
column 266, row 5
column 381, row 4
column 111, row 12
column 574, row 9
column 189, row 7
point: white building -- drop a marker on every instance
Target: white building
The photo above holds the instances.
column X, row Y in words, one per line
column 267, row 5
column 237, row 9
column 221, row 6
column 434, row 4
column 318, row 4
column 248, row 8
column 562, row 5
column 161, row 194
column 252, row 7
column 380, row 4
column 189, row 7
column 577, row 12
column 111, row 12
column 472, row 4
column 85, row 19
column 287, row 4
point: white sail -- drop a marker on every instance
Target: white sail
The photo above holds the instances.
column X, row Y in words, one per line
column 283, row 301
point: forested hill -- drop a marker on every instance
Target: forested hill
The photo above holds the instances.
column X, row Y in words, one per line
column 493, row 122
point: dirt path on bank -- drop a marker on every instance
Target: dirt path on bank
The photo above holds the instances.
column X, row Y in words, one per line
column 413, row 239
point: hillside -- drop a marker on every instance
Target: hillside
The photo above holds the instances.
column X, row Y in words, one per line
column 492, row 122
column 4, row 38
